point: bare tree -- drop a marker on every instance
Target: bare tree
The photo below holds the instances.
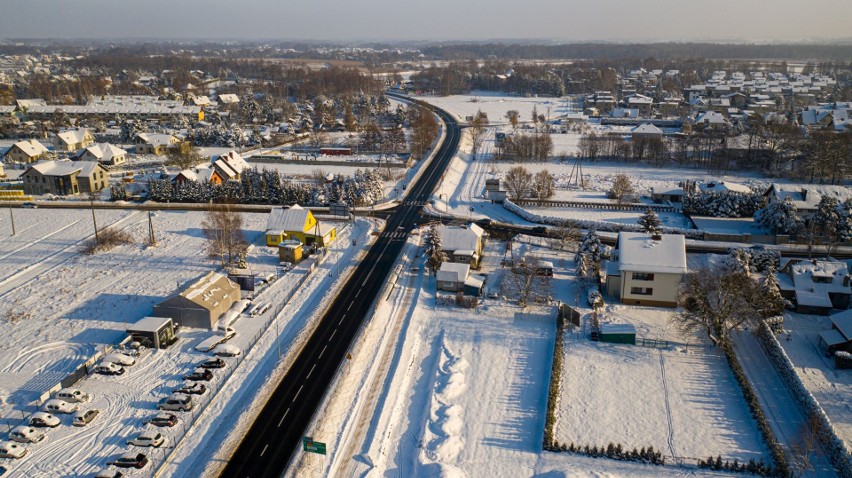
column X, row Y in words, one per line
column 513, row 116
column 621, row 187
column 223, row 230
column 528, row 282
column 543, row 184
column 564, row 235
column 424, row 130
column 518, row 182
column 476, row 131
column 183, row 156
column 806, row 443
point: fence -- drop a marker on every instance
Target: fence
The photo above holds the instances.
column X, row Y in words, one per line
column 594, row 205
column 653, row 343
column 569, row 313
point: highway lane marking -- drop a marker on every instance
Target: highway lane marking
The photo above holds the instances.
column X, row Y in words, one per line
column 332, row 335
column 283, row 417
column 350, row 306
column 264, row 449
column 322, row 351
column 297, row 393
column 359, row 291
column 311, row 371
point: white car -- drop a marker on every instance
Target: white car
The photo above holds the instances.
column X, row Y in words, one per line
column 11, row 450
column 44, row 419
column 226, row 350
column 148, row 438
column 119, row 358
column 109, row 368
column 54, row 405
column 25, row 434
column 72, row 395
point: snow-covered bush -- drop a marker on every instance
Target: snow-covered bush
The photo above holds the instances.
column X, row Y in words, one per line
column 776, row 324
column 722, row 203
column 842, row 360
column 595, row 298
column 762, row 260
column 778, row 217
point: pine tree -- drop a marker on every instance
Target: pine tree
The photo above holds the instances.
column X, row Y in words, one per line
column 591, row 246
column 778, row 217
column 774, row 301
column 433, row 248
column 650, row 222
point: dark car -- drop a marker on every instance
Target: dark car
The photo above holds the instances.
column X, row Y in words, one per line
column 199, row 375
column 212, row 363
column 164, row 420
column 130, row 460
column 29, row 205
column 192, row 388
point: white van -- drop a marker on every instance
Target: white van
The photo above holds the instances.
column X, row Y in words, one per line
column 72, row 395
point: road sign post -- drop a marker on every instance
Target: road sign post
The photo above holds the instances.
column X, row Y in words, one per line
column 311, row 446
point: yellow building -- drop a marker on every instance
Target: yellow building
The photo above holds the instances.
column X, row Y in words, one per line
column 297, row 223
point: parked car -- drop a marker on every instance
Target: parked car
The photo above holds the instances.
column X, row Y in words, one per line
column 29, row 205
column 259, row 308
column 119, row 358
column 25, row 434
column 109, row 473
column 148, row 438
column 176, row 402
column 226, row 350
column 3, row 470
column 130, row 460
column 44, row 419
column 202, row 374
column 11, row 450
column 212, row 363
column 54, row 405
column 194, row 388
column 109, row 368
column 163, row 420
column 72, row 395
column 83, row 417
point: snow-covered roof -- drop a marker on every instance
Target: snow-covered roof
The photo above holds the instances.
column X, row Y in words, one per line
column 710, row 117
column 833, row 337
column 618, row 329
column 457, row 238
column 724, row 186
column 65, row 168
column 231, row 164
column 453, row 272
column 646, row 128
column 73, row 136
column 475, row 280
column 843, row 323
column 149, row 324
column 290, row 219
column 831, row 277
column 638, row 252
column 228, row 98
column 806, row 197
column 209, row 290
column 105, row 151
column 156, row 139
column 31, row 147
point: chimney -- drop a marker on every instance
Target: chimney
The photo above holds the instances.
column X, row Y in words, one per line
column 656, row 236
column 804, row 194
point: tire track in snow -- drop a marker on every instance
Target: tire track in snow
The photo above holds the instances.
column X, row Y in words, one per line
column 670, row 438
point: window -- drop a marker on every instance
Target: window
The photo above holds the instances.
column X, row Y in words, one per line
column 641, row 291
column 642, row 276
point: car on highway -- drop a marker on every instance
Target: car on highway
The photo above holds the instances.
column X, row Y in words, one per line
column 163, row 420
column 11, row 450
column 84, row 417
column 109, row 368
column 226, row 350
column 148, row 438
column 130, row 460
column 199, row 375
column 25, row 434
column 119, row 358
column 72, row 395
column 44, row 419
column 194, row 388
column 29, row 205
column 177, row 402
column 212, row 363
column 54, row 405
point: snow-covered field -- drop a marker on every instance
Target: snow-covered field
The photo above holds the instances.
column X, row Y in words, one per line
column 669, row 219
column 78, row 304
column 496, row 105
column 831, row 387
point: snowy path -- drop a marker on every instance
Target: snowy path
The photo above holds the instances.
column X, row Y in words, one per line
column 778, row 404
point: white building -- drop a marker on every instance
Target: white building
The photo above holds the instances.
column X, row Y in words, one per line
column 647, row 270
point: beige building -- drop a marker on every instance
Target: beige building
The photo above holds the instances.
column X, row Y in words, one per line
column 154, row 143
column 200, row 304
column 647, row 270
column 64, row 177
column 73, row 140
column 104, row 153
column 28, row 151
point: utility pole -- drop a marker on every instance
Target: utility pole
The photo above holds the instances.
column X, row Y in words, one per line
column 94, row 220
column 12, row 217
column 152, row 239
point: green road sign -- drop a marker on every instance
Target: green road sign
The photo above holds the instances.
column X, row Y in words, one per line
column 311, row 446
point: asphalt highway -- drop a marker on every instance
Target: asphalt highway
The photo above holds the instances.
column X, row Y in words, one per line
column 277, row 433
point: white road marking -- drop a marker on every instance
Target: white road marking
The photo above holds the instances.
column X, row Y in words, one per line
column 283, row 417
column 264, row 449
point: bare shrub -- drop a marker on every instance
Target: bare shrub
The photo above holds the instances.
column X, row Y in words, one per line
column 107, row 239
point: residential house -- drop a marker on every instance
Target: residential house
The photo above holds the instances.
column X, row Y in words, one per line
column 816, row 287
column 230, row 166
column 72, row 140
column 647, row 270
column 104, row 153
column 806, row 197
column 452, row 275
column 198, row 175
column 839, row 337
column 297, row 223
column 462, row 244
column 228, row 99
column 154, row 143
column 202, row 303
column 64, row 177
column 28, row 151
column 646, row 131
column 711, row 120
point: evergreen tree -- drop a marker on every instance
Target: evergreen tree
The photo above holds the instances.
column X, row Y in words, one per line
column 650, row 222
column 778, row 217
column 435, row 255
column 591, row 246
column 774, row 301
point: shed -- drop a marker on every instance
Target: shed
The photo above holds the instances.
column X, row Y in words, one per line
column 290, row 251
column 154, row 332
column 618, row 333
column 473, row 285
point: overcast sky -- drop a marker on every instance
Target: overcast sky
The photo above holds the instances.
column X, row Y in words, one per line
column 562, row 20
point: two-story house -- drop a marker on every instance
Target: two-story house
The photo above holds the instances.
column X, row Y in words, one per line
column 104, row 153
column 72, row 140
column 28, row 151
column 154, row 143
column 462, row 243
column 646, row 269
column 64, row 177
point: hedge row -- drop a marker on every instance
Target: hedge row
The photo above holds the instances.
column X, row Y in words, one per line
column 753, row 467
column 782, row 468
column 837, row 450
column 555, row 378
column 614, row 452
column 596, row 225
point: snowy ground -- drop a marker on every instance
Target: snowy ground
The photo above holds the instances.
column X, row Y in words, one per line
column 669, row 219
column 831, row 387
column 79, row 304
column 496, row 105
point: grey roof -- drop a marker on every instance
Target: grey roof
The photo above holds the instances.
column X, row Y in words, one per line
column 291, row 219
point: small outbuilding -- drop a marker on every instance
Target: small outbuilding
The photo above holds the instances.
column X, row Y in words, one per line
column 839, row 337
column 618, row 333
column 153, row 332
column 452, row 276
column 290, row 251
